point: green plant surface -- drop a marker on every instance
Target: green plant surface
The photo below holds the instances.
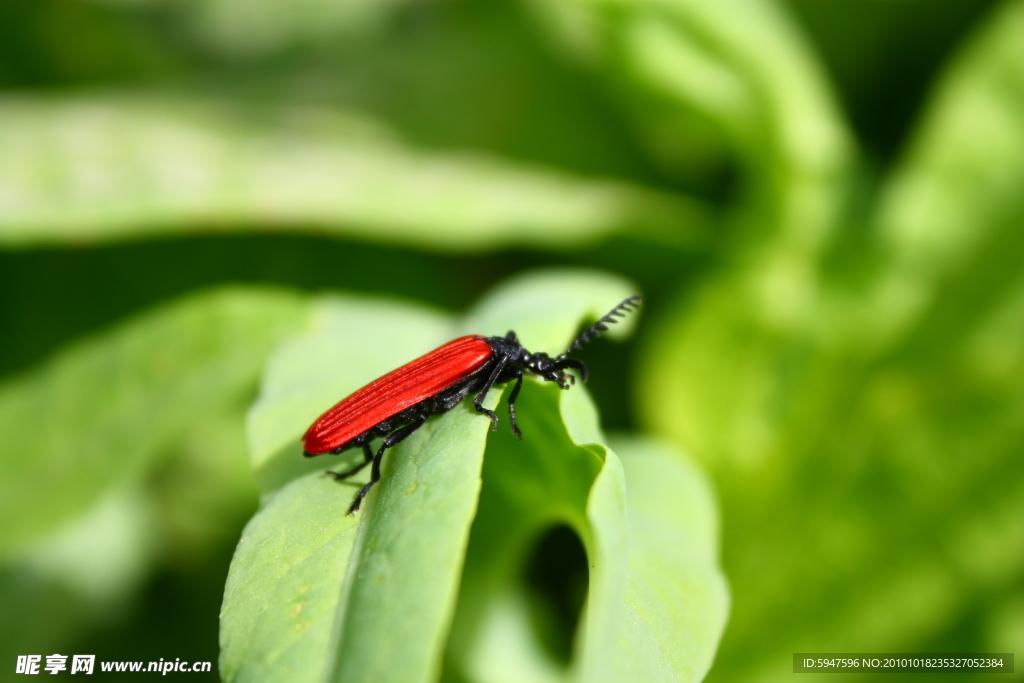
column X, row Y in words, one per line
column 319, row 595
column 676, row 599
column 105, row 412
column 281, row 596
column 107, row 168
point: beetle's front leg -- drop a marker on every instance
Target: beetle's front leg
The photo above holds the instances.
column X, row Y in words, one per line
column 478, row 402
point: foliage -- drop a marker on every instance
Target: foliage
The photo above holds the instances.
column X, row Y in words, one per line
column 819, row 201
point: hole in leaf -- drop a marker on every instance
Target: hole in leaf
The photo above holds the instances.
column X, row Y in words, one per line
column 556, row 580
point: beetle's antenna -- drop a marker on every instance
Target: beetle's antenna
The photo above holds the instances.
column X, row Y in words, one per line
column 601, row 325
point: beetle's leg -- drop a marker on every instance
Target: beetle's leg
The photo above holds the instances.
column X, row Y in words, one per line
column 389, row 441
column 512, row 406
column 342, row 476
column 367, row 459
column 451, row 401
column 479, row 400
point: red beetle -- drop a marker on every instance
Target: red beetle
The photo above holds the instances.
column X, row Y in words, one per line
column 397, row 404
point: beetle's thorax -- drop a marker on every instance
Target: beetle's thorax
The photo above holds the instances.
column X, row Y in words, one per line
column 509, row 348
column 538, row 363
column 518, row 360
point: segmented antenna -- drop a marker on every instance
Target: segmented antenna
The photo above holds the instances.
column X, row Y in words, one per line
column 600, row 326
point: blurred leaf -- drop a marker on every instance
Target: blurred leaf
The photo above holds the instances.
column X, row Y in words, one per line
column 250, row 28
column 868, row 449
column 103, row 411
column 448, row 75
column 103, row 555
column 391, row 583
column 40, row 612
column 118, row 167
column 82, row 576
column 955, row 198
column 886, row 52
column 255, row 28
column 204, row 492
column 744, row 69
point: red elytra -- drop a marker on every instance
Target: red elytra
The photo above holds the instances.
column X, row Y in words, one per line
column 397, row 404
column 394, row 392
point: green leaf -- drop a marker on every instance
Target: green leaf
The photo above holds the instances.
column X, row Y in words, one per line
column 109, row 168
column 316, row 595
column 284, row 584
column 402, row 584
column 103, row 411
column 676, row 599
column 287, row 589
column 657, row 601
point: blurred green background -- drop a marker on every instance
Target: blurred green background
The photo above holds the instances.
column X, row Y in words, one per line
column 820, row 199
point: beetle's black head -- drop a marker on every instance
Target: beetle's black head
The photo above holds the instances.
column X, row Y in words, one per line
column 551, row 369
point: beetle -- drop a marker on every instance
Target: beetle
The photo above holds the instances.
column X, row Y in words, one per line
column 397, row 404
